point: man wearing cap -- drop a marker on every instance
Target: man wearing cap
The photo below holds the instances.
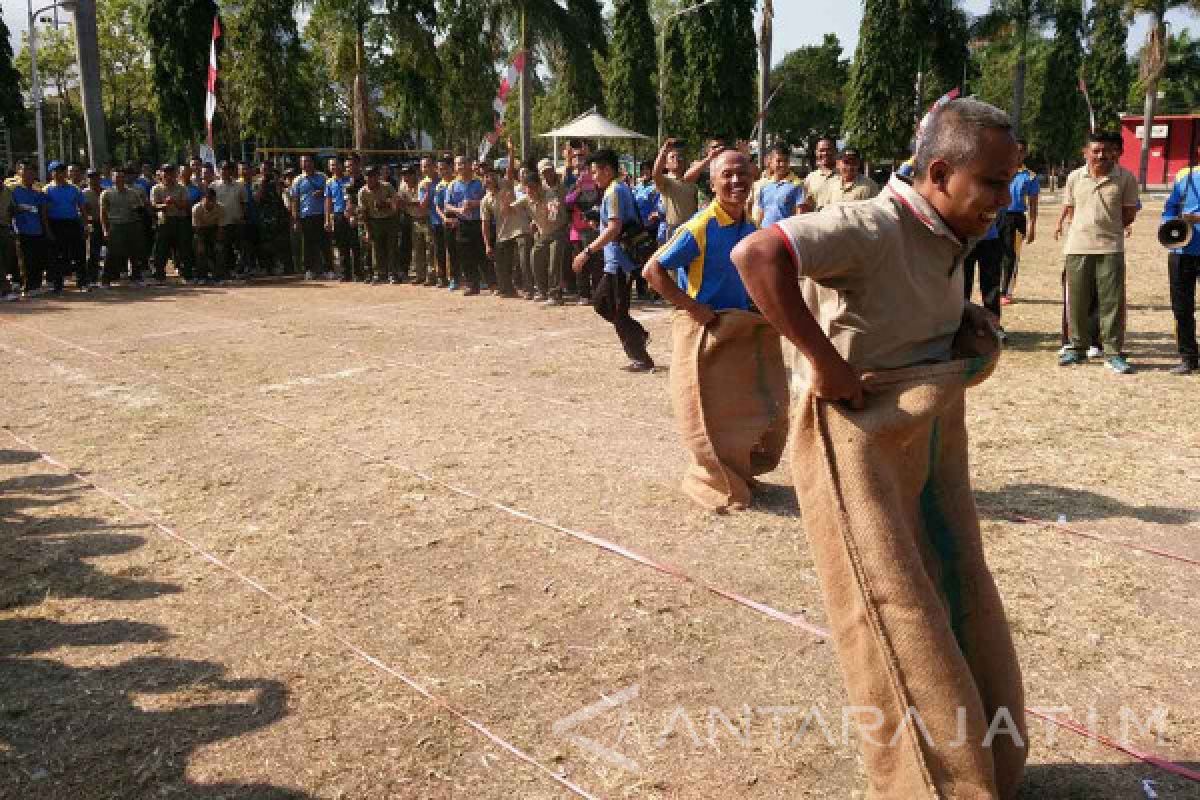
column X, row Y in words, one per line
column 1183, row 267
column 1099, row 202
column 463, row 198
column 850, row 185
column 171, row 240
column 1016, row 229
column 338, row 220
column 32, row 226
column 308, row 213
column 66, row 213
column 611, row 298
column 424, row 260
column 121, row 212
column 377, row 205
column 95, row 231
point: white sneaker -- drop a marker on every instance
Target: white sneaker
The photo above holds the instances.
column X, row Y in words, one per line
column 1095, row 352
column 1062, row 351
column 308, row 276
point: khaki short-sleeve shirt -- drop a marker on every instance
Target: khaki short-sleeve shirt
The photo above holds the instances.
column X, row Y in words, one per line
column 547, row 213
column 122, row 205
column 91, row 201
column 1097, row 226
column 231, row 196
column 161, row 192
column 377, row 204
column 835, row 191
column 681, row 199
column 883, row 278
column 511, row 220
column 205, row 218
column 814, row 184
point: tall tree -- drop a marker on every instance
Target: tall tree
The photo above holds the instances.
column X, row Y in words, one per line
column 629, row 90
column 1019, row 20
column 1058, row 129
column 468, row 77
column 1154, row 61
column 178, row 33
column 721, row 57
column 265, row 75
column 125, row 78
column 1181, row 78
column 1106, row 67
column 880, row 99
column 946, row 59
column 578, row 86
column 812, row 93
column 12, row 108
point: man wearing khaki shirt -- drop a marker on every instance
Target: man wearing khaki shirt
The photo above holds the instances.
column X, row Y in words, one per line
column 543, row 203
column 231, row 196
column 849, row 185
column 1099, row 202
column 206, row 230
column 513, row 237
column 171, row 239
column 121, row 213
column 377, row 205
column 826, row 171
column 680, row 196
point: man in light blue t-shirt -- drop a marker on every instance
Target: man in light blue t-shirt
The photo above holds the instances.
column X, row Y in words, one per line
column 618, row 220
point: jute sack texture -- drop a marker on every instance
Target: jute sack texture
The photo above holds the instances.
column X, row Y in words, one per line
column 917, row 620
column 729, row 390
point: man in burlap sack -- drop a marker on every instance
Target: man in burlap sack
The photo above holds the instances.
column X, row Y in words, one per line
column 728, row 380
column 879, row 443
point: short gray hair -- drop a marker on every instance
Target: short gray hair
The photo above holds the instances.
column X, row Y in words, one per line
column 952, row 131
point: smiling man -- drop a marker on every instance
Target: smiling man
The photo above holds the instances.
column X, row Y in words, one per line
column 888, row 348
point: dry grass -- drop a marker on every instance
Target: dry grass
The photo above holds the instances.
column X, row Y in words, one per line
column 131, row 668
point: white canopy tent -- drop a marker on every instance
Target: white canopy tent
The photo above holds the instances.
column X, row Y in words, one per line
column 590, row 125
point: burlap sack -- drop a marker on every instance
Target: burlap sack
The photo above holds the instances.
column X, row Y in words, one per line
column 730, row 395
column 915, row 615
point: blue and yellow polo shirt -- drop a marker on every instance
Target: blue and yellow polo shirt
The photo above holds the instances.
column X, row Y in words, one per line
column 1185, row 199
column 699, row 254
column 1024, row 185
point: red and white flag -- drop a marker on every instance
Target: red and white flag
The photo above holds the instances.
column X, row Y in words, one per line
column 210, row 101
column 507, row 83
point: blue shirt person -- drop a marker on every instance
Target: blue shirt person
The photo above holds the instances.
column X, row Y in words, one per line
column 699, row 255
column 647, row 198
column 1185, row 200
column 29, row 211
column 64, row 202
column 335, row 190
column 461, row 192
column 438, row 209
column 617, row 204
column 778, row 200
column 309, row 191
column 1024, row 185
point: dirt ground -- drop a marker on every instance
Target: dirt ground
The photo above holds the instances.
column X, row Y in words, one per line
column 387, row 460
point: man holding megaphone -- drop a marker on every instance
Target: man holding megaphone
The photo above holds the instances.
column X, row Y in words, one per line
column 1180, row 231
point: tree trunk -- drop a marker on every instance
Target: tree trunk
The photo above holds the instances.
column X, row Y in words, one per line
column 764, row 78
column 526, row 91
column 1152, row 75
column 1019, row 79
column 362, row 111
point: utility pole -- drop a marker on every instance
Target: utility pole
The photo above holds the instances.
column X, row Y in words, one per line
column 764, row 76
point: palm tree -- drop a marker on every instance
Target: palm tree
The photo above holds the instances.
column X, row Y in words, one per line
column 535, row 22
column 354, row 16
column 1154, row 62
column 1016, row 18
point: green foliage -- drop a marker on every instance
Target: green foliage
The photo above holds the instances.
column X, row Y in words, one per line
column 880, row 104
column 178, row 35
column 468, row 74
column 720, row 54
column 1061, row 122
column 1106, row 68
column 12, row 108
column 812, row 93
column 577, row 85
column 629, row 90
column 125, row 79
column 1180, row 83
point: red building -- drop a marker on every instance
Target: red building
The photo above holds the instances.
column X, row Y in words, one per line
column 1171, row 139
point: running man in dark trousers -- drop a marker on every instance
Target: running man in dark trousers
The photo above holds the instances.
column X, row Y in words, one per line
column 1183, row 267
column 986, row 258
column 611, row 297
column 1015, row 228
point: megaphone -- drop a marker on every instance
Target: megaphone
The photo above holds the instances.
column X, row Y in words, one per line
column 1175, row 233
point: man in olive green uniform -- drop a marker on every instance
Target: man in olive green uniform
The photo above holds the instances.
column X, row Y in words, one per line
column 8, row 248
column 275, row 254
column 95, row 231
column 849, row 185
column 377, row 205
column 122, row 209
column 543, row 203
column 513, row 239
column 170, row 202
column 826, row 172
column 206, row 231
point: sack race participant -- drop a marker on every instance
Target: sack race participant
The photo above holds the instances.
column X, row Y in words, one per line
column 728, row 380
column 880, row 458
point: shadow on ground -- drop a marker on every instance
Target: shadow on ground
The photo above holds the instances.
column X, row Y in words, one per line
column 1104, row 782
column 109, row 730
column 1048, row 502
